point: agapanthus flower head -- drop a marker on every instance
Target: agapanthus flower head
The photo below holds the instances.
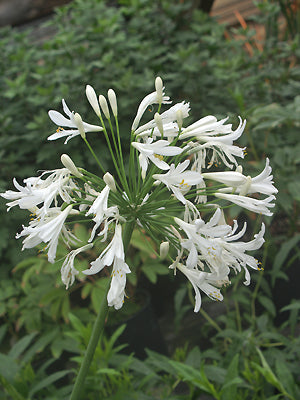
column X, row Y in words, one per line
column 163, row 188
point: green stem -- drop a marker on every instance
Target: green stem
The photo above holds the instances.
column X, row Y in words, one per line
column 98, row 327
column 97, row 330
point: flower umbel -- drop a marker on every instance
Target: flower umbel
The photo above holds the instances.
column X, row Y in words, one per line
column 163, row 189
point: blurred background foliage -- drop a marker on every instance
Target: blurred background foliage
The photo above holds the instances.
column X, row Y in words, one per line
column 253, row 347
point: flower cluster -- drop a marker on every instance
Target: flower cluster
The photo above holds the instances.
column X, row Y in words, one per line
column 167, row 192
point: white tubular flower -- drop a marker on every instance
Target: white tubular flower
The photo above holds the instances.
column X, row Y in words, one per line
column 262, row 183
column 170, row 130
column 100, row 210
column 167, row 116
column 68, row 163
column 219, row 141
column 38, row 190
column 92, row 98
column 152, row 98
column 205, row 128
column 229, row 178
column 62, row 121
column 68, row 271
column 233, row 253
column 154, row 152
column 45, row 230
column 178, row 180
column 201, row 281
column 113, row 254
column 257, row 206
column 113, row 102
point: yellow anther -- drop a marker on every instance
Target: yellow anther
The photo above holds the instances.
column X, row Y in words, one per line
column 59, row 129
column 160, row 157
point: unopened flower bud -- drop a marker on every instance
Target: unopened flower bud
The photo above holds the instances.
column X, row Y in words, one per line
column 159, row 89
column 68, row 163
column 239, row 169
column 109, row 180
column 92, row 98
column 164, row 250
column 179, row 118
column 113, row 101
column 104, row 106
column 159, row 123
column 79, row 124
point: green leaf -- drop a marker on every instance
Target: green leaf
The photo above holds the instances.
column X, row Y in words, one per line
column 232, row 379
column 267, row 304
column 48, row 381
column 8, row 367
column 10, row 389
column 21, row 345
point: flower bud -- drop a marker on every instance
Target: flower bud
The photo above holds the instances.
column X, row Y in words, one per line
column 92, row 98
column 239, row 169
column 68, row 163
column 113, row 101
column 79, row 124
column 109, row 180
column 164, row 250
column 159, row 89
column 159, row 123
column 179, row 118
column 104, row 106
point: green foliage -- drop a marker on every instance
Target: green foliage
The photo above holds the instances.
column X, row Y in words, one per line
column 125, row 46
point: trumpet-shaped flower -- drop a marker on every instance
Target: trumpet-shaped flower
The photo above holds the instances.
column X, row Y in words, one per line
column 154, row 151
column 178, row 180
column 68, row 271
column 249, row 203
column 167, row 117
column 45, row 230
column 70, row 122
column 156, row 97
column 100, row 210
column 113, row 254
column 39, row 190
column 202, row 281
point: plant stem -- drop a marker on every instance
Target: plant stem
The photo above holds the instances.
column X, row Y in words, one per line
column 97, row 328
column 88, row 357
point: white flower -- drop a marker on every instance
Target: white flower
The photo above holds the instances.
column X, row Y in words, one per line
column 153, row 152
column 228, row 178
column 203, row 281
column 100, row 210
column 38, row 190
column 156, row 97
column 62, row 121
column 261, row 183
column 167, row 116
column 257, row 206
column 179, row 180
column 113, row 254
column 68, row 271
column 221, row 145
column 208, row 127
column 200, row 240
column 233, row 253
column 45, row 230
column 170, row 130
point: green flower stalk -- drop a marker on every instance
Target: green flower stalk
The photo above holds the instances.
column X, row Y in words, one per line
column 165, row 194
